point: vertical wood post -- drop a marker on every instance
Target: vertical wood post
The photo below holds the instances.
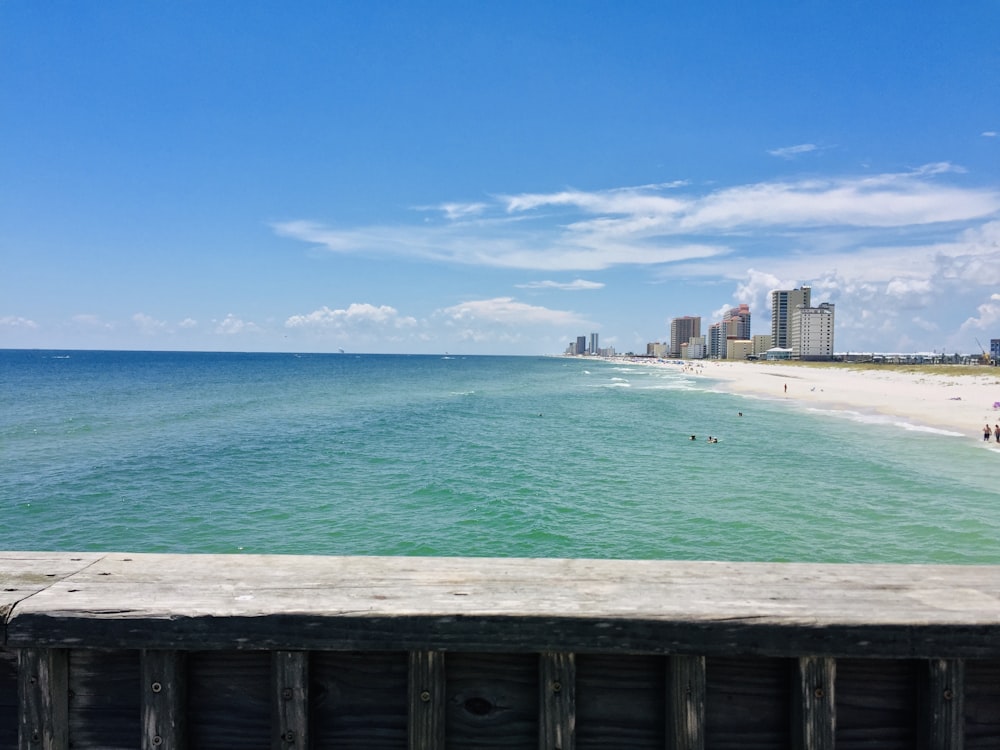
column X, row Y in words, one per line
column 943, row 697
column 164, row 700
column 814, row 713
column 686, row 702
column 426, row 687
column 43, row 685
column 557, row 701
column 290, row 700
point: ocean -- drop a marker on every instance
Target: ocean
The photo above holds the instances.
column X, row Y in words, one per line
column 364, row 454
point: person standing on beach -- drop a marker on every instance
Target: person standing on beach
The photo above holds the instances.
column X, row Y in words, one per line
column 786, row 387
column 986, row 432
column 996, row 431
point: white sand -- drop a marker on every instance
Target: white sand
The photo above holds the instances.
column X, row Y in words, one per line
column 951, row 400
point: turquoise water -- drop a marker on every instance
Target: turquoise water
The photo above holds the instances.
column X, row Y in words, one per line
column 482, row 456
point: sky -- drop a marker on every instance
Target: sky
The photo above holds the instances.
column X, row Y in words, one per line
column 494, row 177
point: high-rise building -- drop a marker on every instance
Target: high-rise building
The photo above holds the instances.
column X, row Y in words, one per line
column 594, row 350
column 735, row 326
column 695, row 348
column 761, row 343
column 681, row 330
column 812, row 329
column 581, row 344
column 783, row 304
column 737, row 320
column 716, row 347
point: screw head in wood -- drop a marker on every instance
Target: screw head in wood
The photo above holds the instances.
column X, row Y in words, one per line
column 286, row 694
column 948, row 694
column 556, row 687
column 156, row 687
column 425, row 696
column 157, row 740
column 819, row 692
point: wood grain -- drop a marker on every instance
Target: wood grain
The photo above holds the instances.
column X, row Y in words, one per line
column 304, row 603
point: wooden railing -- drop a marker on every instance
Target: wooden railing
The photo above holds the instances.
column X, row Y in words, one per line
column 105, row 650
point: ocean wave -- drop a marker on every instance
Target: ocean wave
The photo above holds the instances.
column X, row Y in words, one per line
column 882, row 419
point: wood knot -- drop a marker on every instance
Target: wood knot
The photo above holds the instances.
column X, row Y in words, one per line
column 478, row 706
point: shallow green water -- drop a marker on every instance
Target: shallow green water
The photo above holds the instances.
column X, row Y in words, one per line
column 497, row 456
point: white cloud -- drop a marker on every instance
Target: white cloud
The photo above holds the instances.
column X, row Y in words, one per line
column 461, row 210
column 569, row 286
column 233, row 326
column 988, row 318
column 908, row 287
column 790, row 152
column 14, row 321
column 93, row 322
column 655, row 225
column 509, row 312
column 148, row 325
column 355, row 316
column 990, row 134
column 188, row 323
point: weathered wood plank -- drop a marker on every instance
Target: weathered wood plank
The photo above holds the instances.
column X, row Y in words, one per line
column 229, row 700
column 426, row 688
column 620, row 700
column 8, row 698
column 290, row 699
column 359, row 699
column 982, row 704
column 44, row 699
column 557, row 701
column 876, row 704
column 747, row 703
column 164, row 706
column 23, row 574
column 814, row 715
column 686, row 687
column 943, row 714
column 105, row 689
column 712, row 609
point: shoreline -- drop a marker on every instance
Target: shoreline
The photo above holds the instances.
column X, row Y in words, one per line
column 949, row 401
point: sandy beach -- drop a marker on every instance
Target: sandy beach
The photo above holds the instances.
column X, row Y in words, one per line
column 951, row 400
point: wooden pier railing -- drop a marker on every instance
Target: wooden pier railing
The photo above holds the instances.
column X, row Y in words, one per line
column 158, row 652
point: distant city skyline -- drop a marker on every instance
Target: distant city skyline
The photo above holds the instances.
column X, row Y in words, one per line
column 494, row 178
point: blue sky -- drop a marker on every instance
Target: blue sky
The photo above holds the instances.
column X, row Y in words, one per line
column 494, row 177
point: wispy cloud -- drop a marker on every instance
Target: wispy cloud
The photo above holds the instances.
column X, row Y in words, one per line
column 566, row 286
column 15, row 321
column 655, row 225
column 456, row 210
column 790, row 152
column 990, row 134
column 92, row 322
column 148, row 325
column 508, row 311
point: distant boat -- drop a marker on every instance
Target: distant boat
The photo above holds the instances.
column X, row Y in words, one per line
column 340, row 351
